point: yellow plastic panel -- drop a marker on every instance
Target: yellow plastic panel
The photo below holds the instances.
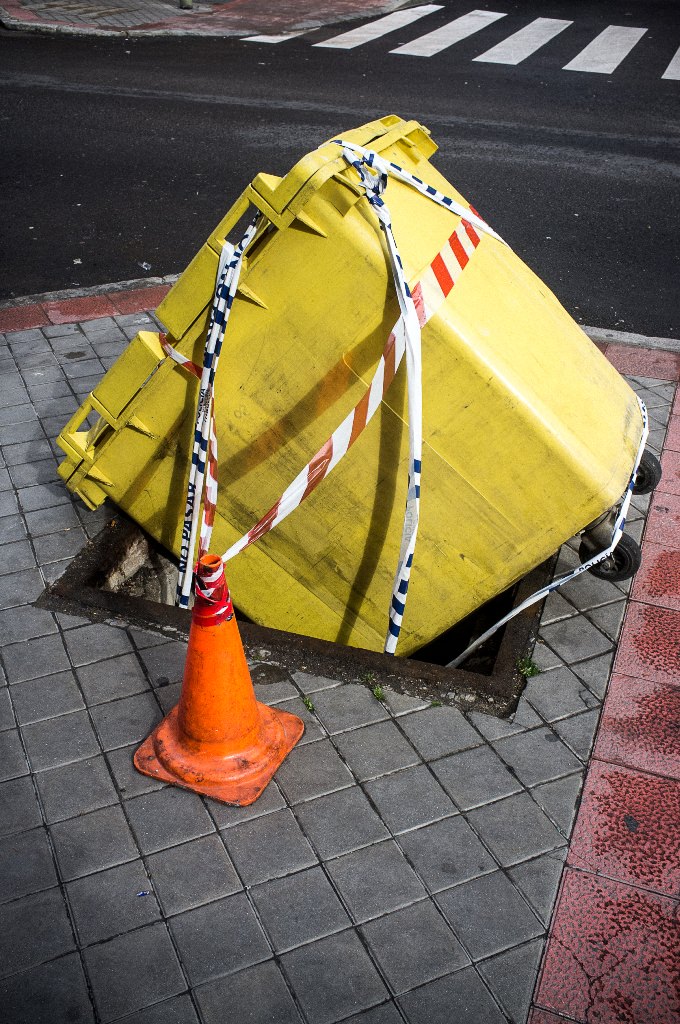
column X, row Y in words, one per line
column 529, row 434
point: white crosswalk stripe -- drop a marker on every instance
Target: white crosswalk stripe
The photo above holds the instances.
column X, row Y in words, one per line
column 605, row 53
column 673, row 69
column 380, row 27
column 601, row 56
column 441, row 38
column 273, row 39
column 522, row 44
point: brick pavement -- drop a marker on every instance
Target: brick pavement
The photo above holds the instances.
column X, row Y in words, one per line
column 163, row 17
column 404, row 864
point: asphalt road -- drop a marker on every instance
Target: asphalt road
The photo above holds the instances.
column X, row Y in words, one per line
column 119, row 156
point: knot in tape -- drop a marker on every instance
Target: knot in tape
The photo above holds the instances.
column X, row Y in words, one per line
column 213, row 601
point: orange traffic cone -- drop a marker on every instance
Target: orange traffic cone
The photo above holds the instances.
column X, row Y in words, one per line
column 219, row 740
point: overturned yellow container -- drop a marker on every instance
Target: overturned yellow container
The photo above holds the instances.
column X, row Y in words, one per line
column 529, row 433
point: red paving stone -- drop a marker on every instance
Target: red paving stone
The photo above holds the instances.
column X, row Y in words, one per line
column 138, row 300
column 22, row 318
column 644, row 361
column 613, row 955
column 657, row 581
column 649, row 646
column 640, row 726
column 627, row 828
column 670, row 465
column 89, row 307
column 663, row 521
column 673, row 434
column 543, row 1017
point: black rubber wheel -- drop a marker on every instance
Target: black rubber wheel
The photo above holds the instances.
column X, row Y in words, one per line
column 623, row 562
column 648, row 474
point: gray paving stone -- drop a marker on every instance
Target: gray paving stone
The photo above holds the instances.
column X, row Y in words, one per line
column 610, row 617
column 36, row 700
column 493, row 728
column 33, row 658
column 19, row 807
column 57, row 546
column 7, row 720
column 11, row 527
column 558, row 694
column 177, row 1010
column 75, row 789
column 536, row 756
column 129, row 781
column 544, row 658
column 191, row 874
column 51, row 520
column 313, row 730
column 386, row 1013
column 33, row 929
column 27, row 451
column 525, row 716
column 375, row 880
column 312, row 770
column 18, row 554
column 333, row 978
column 347, row 707
column 92, row 842
column 511, row 976
column 133, row 970
column 112, row 679
column 459, row 997
column 375, row 750
column 130, row 720
column 12, row 759
column 92, row 643
column 219, row 938
column 165, row 662
column 475, row 777
column 268, row 847
column 446, row 853
column 558, row 800
column 576, row 639
column 257, row 995
column 49, row 993
column 26, row 864
column 400, row 704
column 275, row 692
column 226, row 816
column 488, row 915
column 556, row 608
column 110, row 902
column 167, row 817
column 435, row 732
column 413, row 946
column 299, row 908
column 340, row 822
column 60, row 740
column 309, row 683
column 144, row 638
column 538, row 879
column 168, row 695
column 579, row 732
column 409, row 798
column 515, row 829
column 43, row 495
column 595, row 673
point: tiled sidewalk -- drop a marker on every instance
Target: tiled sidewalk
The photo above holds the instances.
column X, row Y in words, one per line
column 403, row 866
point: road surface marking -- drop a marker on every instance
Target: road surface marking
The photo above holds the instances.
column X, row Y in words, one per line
column 673, row 69
column 522, row 44
column 447, row 35
column 273, row 39
column 607, row 50
column 378, row 28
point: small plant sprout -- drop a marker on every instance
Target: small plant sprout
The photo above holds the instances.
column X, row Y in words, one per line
column 436, row 704
column 307, row 701
column 527, row 667
column 368, row 678
column 378, row 692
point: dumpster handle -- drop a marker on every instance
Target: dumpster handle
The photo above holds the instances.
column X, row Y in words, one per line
column 617, row 533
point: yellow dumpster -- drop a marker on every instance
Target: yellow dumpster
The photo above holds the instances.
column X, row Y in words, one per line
column 528, row 433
